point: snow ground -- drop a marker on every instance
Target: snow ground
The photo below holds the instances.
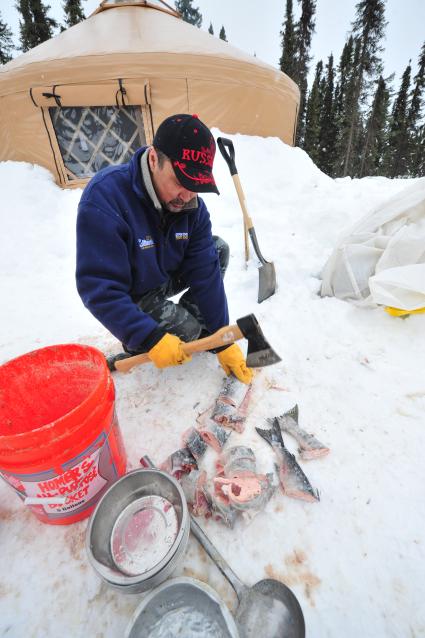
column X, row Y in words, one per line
column 356, row 559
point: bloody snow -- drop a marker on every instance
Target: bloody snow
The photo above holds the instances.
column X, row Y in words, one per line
column 355, row 560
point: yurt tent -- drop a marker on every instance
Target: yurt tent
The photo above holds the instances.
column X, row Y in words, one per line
column 93, row 94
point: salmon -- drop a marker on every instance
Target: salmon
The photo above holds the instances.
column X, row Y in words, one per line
column 179, row 463
column 246, row 490
column 194, row 486
column 231, row 405
column 235, row 460
column 310, row 447
column 238, row 483
column 293, row 481
column 222, row 511
column 214, row 435
column 193, row 440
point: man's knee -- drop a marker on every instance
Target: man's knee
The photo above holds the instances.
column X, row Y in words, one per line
column 223, row 253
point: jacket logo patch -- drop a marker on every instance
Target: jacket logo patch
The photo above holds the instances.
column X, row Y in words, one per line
column 182, row 236
column 147, row 242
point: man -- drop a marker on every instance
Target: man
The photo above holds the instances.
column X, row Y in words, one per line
column 143, row 235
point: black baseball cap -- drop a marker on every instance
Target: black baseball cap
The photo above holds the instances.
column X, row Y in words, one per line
column 190, row 146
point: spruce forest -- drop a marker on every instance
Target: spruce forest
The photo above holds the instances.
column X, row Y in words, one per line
column 352, row 120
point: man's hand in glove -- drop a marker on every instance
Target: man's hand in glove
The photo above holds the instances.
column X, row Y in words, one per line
column 232, row 360
column 168, row 352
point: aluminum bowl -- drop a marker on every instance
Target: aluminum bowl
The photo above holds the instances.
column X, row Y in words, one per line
column 182, row 607
column 139, row 530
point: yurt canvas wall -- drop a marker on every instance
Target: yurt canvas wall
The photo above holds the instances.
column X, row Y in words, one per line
column 90, row 96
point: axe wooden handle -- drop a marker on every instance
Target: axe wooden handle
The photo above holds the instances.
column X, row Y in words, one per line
column 223, row 337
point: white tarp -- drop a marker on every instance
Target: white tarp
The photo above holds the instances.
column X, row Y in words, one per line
column 382, row 259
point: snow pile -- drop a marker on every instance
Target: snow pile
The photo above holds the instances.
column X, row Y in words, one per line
column 354, row 559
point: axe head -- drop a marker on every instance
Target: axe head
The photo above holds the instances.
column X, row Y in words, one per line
column 260, row 353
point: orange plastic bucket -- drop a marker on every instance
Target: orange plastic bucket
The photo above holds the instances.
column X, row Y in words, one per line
column 60, row 442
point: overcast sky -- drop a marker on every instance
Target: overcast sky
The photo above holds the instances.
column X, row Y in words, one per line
column 255, row 26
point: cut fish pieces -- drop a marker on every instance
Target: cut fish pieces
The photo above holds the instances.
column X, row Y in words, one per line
column 214, row 435
column 232, row 404
column 310, row 446
column 236, row 459
column 193, row 440
column 179, row 463
column 293, row 481
column 198, row 498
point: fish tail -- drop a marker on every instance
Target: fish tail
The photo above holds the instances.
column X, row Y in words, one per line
column 293, row 413
column 266, row 435
column 272, row 436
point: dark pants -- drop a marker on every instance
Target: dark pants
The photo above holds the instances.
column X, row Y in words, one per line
column 182, row 319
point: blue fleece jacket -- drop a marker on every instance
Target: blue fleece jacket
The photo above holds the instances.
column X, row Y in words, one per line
column 122, row 253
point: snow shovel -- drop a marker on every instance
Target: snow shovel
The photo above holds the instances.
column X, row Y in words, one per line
column 268, row 609
column 267, row 273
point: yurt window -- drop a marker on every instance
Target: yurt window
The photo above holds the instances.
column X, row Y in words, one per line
column 91, row 138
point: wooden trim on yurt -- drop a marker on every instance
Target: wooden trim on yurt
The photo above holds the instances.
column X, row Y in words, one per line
column 120, row 92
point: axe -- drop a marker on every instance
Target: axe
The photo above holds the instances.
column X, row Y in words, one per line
column 260, row 353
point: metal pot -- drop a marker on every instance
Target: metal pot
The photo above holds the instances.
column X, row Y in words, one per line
column 139, row 530
column 184, row 607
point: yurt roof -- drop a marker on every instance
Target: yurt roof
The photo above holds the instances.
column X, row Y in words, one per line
column 130, row 34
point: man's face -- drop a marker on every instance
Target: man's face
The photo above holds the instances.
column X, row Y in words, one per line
column 172, row 195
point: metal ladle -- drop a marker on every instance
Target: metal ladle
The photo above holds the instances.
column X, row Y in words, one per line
column 268, row 609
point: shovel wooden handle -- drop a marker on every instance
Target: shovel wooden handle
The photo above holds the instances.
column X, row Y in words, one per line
column 228, row 152
column 223, row 337
column 247, row 221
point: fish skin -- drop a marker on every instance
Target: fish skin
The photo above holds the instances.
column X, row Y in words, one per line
column 222, row 511
column 196, row 493
column 214, row 435
column 179, row 463
column 194, row 441
column 233, row 391
column 236, row 459
column 231, row 404
column 309, row 446
column 292, row 479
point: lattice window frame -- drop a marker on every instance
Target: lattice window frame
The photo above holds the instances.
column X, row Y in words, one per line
column 141, row 123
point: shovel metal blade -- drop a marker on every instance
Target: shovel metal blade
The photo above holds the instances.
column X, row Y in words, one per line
column 267, row 281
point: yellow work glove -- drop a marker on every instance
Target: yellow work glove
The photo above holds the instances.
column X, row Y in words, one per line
column 398, row 312
column 168, row 352
column 232, row 360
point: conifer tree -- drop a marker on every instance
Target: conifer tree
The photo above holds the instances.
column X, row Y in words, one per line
column 374, row 147
column 36, row 26
column 188, row 12
column 304, row 32
column 223, row 34
column 397, row 150
column 368, row 28
column 73, row 12
column 420, row 156
column 288, row 59
column 415, row 114
column 210, row 29
column 6, row 43
column 345, row 100
column 312, row 117
column 327, row 123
